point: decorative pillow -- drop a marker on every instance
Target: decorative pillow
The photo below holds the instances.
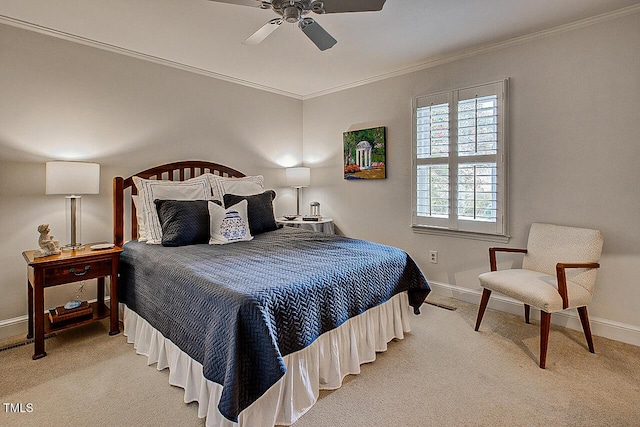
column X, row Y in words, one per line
column 183, row 222
column 149, row 190
column 242, row 186
column 259, row 210
column 228, row 225
column 142, row 230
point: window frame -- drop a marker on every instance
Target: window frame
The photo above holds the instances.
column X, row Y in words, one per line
column 452, row 225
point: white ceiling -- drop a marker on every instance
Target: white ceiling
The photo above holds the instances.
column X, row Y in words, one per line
column 206, row 36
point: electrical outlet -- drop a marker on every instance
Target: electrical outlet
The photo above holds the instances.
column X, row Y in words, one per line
column 433, row 257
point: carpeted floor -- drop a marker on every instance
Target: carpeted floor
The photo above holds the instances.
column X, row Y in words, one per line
column 442, row 374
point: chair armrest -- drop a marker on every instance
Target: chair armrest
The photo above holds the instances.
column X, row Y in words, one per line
column 562, row 278
column 492, row 255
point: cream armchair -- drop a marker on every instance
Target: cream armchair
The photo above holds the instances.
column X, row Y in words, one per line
column 558, row 272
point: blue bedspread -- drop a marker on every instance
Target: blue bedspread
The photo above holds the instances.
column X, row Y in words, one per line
column 239, row 308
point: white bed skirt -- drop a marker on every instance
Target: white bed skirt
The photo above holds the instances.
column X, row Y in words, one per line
column 321, row 366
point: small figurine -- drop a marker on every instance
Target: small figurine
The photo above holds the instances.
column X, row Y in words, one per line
column 48, row 244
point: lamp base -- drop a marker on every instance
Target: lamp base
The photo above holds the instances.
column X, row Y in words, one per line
column 73, row 205
column 76, row 247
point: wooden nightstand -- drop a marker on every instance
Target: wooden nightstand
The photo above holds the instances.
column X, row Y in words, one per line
column 69, row 267
column 323, row 225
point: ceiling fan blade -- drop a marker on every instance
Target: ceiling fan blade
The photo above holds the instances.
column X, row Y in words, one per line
column 340, row 6
column 317, row 34
column 252, row 3
column 263, row 32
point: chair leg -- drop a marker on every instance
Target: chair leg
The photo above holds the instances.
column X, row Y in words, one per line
column 545, row 325
column 486, row 293
column 584, row 319
column 527, row 311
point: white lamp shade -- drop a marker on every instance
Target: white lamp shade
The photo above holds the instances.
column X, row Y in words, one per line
column 298, row 177
column 72, row 178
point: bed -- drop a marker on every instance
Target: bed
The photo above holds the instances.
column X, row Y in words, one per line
column 251, row 330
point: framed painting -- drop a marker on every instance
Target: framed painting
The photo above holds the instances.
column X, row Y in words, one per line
column 365, row 153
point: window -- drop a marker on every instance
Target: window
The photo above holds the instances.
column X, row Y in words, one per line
column 459, row 160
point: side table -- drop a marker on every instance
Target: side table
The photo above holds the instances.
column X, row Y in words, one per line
column 69, row 267
column 323, row 225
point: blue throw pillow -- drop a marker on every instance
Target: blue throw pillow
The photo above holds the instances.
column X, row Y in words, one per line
column 183, row 222
column 259, row 210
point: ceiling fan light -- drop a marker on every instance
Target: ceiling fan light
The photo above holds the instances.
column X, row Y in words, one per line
column 291, row 14
column 295, row 11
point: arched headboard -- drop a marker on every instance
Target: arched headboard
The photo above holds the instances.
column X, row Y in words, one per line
column 177, row 171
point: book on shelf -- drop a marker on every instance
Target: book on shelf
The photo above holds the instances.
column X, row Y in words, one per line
column 60, row 314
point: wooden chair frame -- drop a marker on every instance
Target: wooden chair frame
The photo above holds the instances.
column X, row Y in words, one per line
column 545, row 318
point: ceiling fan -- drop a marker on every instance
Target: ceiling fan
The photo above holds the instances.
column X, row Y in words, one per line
column 295, row 11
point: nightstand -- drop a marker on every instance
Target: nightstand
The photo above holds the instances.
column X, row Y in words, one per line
column 69, row 267
column 323, row 225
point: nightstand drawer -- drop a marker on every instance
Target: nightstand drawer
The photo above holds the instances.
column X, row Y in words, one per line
column 75, row 272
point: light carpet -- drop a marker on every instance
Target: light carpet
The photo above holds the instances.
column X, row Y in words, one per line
column 442, row 374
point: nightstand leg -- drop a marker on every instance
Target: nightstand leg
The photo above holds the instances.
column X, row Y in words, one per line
column 30, row 309
column 113, row 298
column 38, row 295
column 101, row 290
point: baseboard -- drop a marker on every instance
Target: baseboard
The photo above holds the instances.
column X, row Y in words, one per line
column 13, row 327
column 601, row 327
column 18, row 325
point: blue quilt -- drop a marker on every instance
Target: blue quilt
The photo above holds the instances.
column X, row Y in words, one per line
column 239, row 308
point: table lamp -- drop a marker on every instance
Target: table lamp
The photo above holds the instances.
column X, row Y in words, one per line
column 72, row 179
column 298, row 178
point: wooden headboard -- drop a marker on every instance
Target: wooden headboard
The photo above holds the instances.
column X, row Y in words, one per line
column 177, row 171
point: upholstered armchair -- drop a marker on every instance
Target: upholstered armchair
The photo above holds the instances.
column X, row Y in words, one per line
column 558, row 272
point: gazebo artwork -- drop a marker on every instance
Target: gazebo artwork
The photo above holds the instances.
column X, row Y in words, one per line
column 365, row 153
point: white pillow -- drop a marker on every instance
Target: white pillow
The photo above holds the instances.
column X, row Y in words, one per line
column 142, row 230
column 247, row 186
column 228, row 225
column 198, row 188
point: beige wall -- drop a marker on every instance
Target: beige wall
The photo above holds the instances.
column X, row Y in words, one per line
column 574, row 147
column 61, row 99
column 574, row 152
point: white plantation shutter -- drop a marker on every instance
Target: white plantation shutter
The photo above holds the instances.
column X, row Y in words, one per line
column 433, row 190
column 433, row 130
column 459, row 160
column 477, row 191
